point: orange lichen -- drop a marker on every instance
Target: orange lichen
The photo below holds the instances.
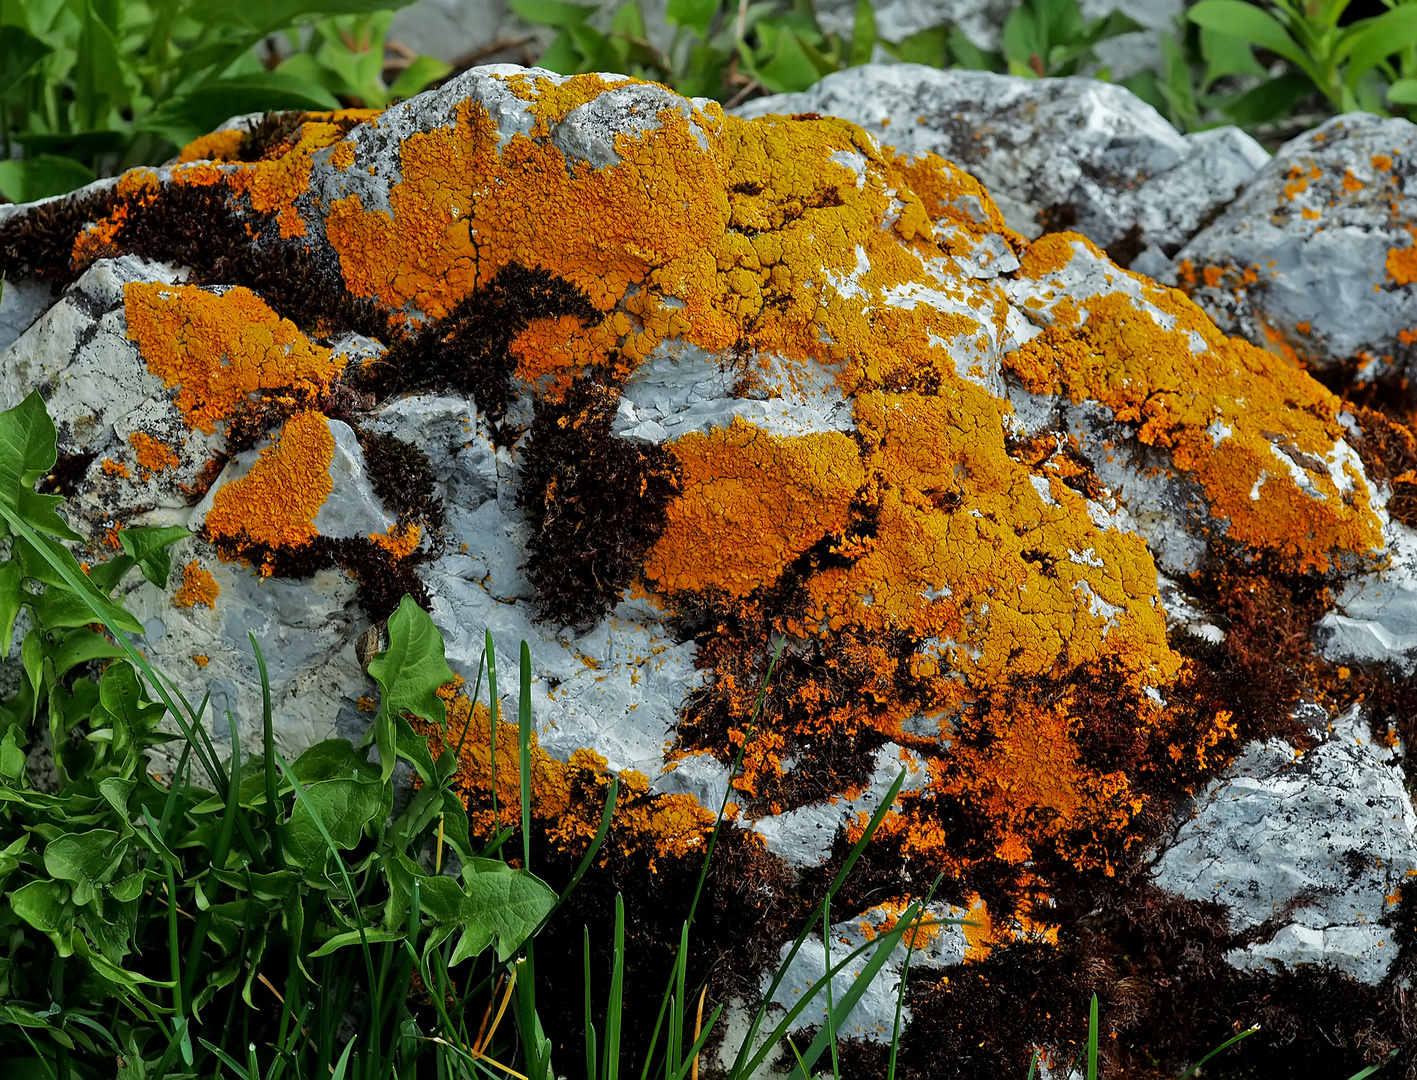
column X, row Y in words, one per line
column 1382, row 162
column 1351, row 182
column 400, row 541
column 1276, row 479
column 201, row 659
column 198, row 587
column 734, row 529
column 567, row 797
column 275, row 503
column 1401, row 264
column 153, row 454
column 114, row 468
column 218, row 146
column 221, row 347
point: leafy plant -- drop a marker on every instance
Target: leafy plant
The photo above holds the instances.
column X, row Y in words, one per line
column 1050, row 38
column 93, row 86
column 1363, row 65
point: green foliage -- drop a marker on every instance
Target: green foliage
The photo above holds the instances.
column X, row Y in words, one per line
column 141, row 916
column 89, row 87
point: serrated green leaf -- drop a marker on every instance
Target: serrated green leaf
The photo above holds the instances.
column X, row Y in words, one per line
column 86, row 861
column 502, row 908
column 147, row 546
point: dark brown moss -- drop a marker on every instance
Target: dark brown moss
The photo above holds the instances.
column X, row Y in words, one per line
column 1126, row 247
column 595, row 503
column 402, row 477
column 68, row 473
column 40, row 241
column 470, row 350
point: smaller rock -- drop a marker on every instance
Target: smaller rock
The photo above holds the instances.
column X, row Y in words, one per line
column 1314, row 845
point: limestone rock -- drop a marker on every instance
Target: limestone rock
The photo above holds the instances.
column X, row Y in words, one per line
column 1314, row 258
column 1054, row 153
column 656, row 389
column 1310, row 850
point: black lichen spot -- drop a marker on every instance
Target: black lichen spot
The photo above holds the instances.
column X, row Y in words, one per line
column 595, row 503
column 402, row 477
column 470, row 350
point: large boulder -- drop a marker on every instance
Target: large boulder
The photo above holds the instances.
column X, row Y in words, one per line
column 655, row 389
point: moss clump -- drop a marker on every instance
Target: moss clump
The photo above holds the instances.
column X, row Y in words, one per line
column 402, row 477
column 470, row 350
column 595, row 503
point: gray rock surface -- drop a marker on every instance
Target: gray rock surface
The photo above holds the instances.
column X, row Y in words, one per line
column 1307, row 852
column 1312, row 256
column 1054, row 153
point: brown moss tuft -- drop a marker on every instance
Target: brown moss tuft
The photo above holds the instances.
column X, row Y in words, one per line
column 595, row 503
column 402, row 477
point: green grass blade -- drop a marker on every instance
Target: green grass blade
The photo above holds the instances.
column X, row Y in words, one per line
column 1092, row 1040
column 268, row 734
column 344, row 875
column 1226, row 1045
column 612, row 795
column 611, row 1069
column 590, row 1069
column 494, row 708
column 524, row 752
column 1362, row 1074
column 900, row 993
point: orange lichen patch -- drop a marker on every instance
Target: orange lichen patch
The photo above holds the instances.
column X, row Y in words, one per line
column 1382, row 162
column 99, row 239
column 218, row 146
column 1351, row 182
column 114, row 468
column 567, row 797
column 275, row 503
column 201, row 659
column 153, row 454
column 1276, row 479
column 198, row 587
column 1211, row 276
column 400, row 541
column 551, row 100
column 951, row 196
column 221, row 348
column 1309, row 215
column 752, row 503
column 367, row 703
column 274, row 183
column 1401, row 264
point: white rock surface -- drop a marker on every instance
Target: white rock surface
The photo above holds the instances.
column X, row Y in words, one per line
column 1086, row 155
column 1311, row 847
column 1314, row 228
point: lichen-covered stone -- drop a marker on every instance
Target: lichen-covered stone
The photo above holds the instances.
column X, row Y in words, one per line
column 1054, row 153
column 1314, row 259
column 654, row 388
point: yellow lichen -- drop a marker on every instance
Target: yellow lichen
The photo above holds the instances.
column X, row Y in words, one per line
column 275, row 503
column 153, row 454
column 198, row 587
column 221, row 348
column 218, row 146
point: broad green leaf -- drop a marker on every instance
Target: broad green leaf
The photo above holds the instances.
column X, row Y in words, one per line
column 20, row 51
column 925, row 47
column 182, row 119
column 502, row 907
column 12, row 758
column 412, row 669
column 345, row 806
column 697, row 15
column 108, row 574
column 43, row 904
column 98, row 76
column 323, row 761
column 1270, row 100
column 147, row 546
column 1403, row 92
column 28, row 450
column 111, row 929
column 629, row 20
column 129, row 888
column 23, row 1018
column 371, row 934
column 40, row 550
column 32, row 659
column 267, row 16
column 561, row 55
column 415, row 78
column 790, row 70
column 555, row 13
column 863, row 33
column 1252, row 24
column 1226, row 54
column 1373, row 40
column 265, row 888
column 87, row 861
column 80, row 647
column 10, row 603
